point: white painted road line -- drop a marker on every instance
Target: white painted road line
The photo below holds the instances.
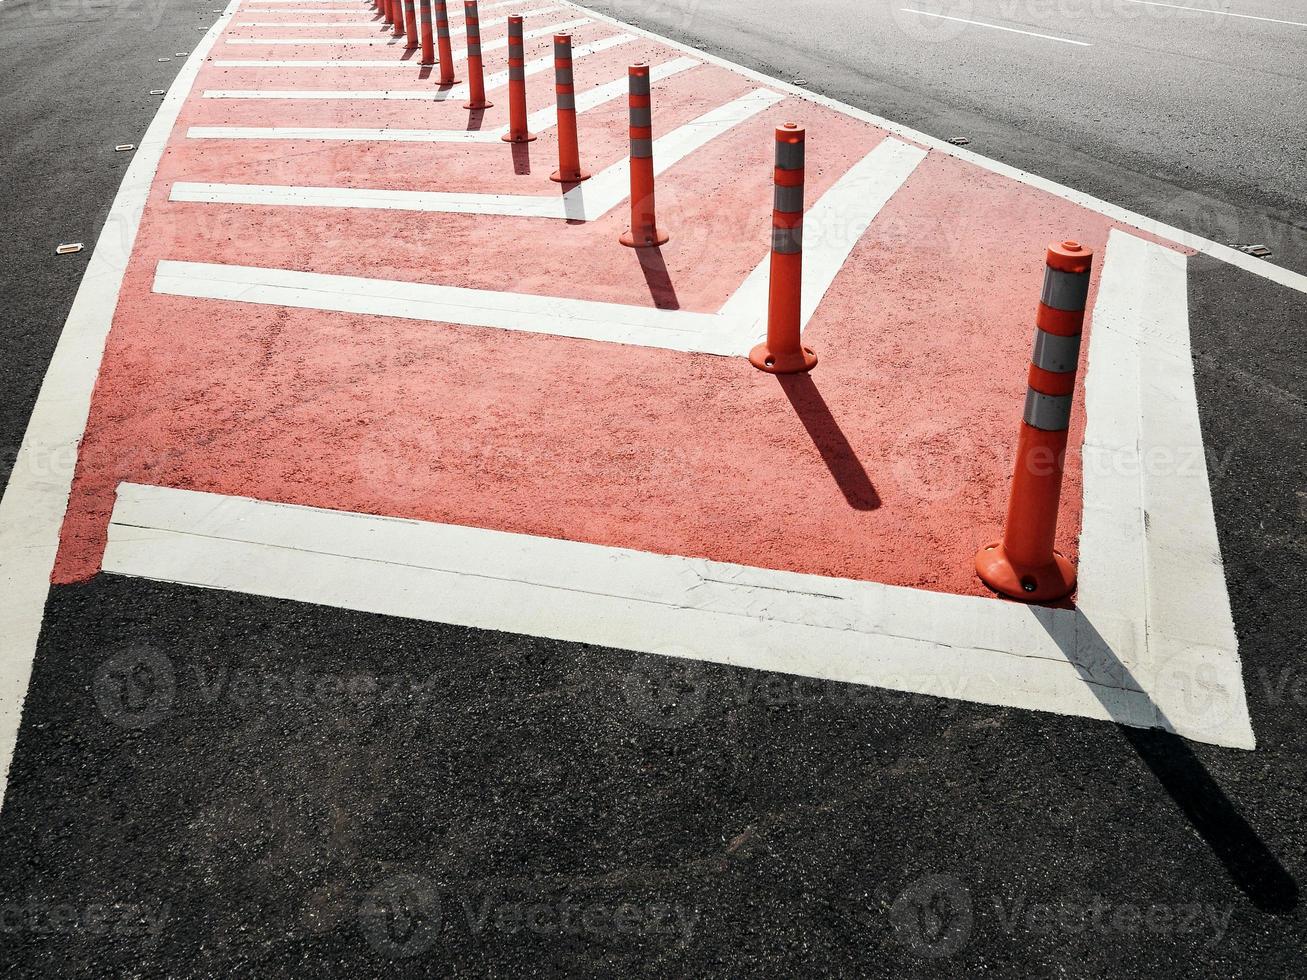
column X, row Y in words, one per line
column 399, row 41
column 583, row 202
column 378, row 22
column 975, row 649
column 837, row 222
column 997, row 27
column 344, row 95
column 453, row 32
column 1220, row 13
column 40, row 481
column 1149, row 548
column 537, row 122
column 562, row 317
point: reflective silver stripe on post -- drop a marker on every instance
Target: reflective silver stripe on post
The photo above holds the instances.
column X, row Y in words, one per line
column 639, row 84
column 567, row 101
column 789, row 156
column 788, row 200
column 473, row 49
column 516, row 74
column 1065, row 290
column 1052, row 413
column 641, row 115
column 787, row 241
column 642, row 147
column 1054, row 352
column 563, row 76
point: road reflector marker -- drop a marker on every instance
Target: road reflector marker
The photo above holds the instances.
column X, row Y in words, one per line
column 1024, row 565
column 69, row 248
column 124, row 147
column 782, row 352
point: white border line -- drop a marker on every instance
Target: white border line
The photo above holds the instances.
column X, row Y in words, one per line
column 1258, row 267
column 1221, row 13
column 454, row 32
column 36, row 498
column 537, row 122
column 580, row 202
column 495, row 80
column 832, row 226
column 996, row 27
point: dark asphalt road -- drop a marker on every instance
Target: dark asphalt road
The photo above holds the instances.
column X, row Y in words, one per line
column 214, row 785
column 1192, row 118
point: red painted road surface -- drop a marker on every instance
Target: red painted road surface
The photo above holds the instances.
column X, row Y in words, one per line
column 889, row 463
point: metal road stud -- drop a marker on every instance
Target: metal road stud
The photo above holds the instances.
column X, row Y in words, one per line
column 569, row 154
column 1024, row 564
column 783, row 351
column 517, row 132
column 644, row 231
column 425, row 28
column 410, row 24
column 442, row 42
column 476, row 82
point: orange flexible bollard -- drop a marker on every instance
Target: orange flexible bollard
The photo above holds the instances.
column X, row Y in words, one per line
column 442, row 41
column 388, row 11
column 476, row 82
column 783, row 351
column 1024, row 565
column 428, row 42
column 397, row 17
column 410, row 24
column 644, row 231
column 569, row 155
column 517, row 132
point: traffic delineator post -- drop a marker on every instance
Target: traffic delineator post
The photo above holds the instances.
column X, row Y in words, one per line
column 569, row 154
column 783, row 351
column 644, row 231
column 517, row 132
column 428, row 39
column 1024, row 564
column 443, row 44
column 476, row 82
column 410, row 24
column 387, row 8
column 397, row 17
